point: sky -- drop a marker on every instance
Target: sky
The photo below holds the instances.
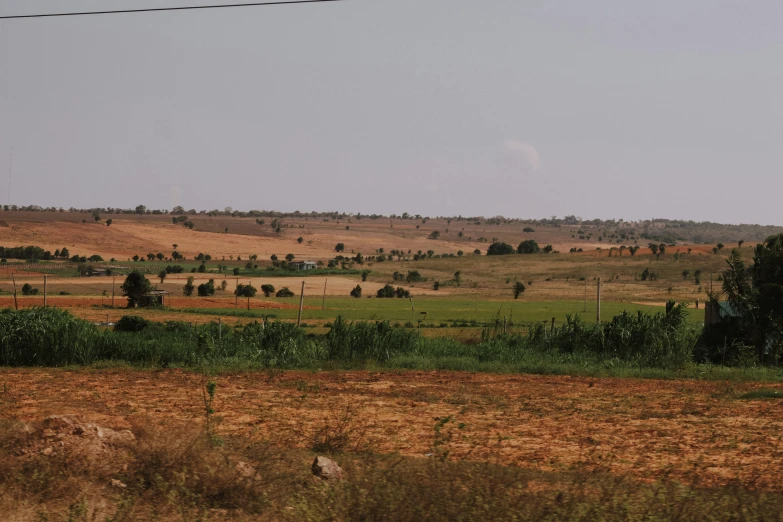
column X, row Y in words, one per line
column 526, row 109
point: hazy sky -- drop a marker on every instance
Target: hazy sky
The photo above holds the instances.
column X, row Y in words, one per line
column 526, row 108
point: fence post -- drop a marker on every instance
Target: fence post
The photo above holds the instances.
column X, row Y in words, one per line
column 598, row 303
column 301, row 304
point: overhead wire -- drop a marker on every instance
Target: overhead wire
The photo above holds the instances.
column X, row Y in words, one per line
column 162, row 9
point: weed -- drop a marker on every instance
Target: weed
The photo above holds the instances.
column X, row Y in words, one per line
column 344, row 433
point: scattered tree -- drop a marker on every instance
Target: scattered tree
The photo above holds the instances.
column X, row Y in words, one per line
column 518, row 289
column 267, row 290
column 386, row 292
column 529, row 246
column 500, row 249
column 207, row 289
column 135, row 287
column 339, row 247
column 187, row 290
column 356, row 292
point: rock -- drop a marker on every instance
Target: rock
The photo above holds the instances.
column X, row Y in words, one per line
column 48, row 434
column 75, row 425
column 48, row 451
column 118, row 484
column 326, row 469
column 245, row 470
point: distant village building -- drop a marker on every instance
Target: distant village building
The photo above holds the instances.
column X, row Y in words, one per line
column 153, row 298
column 304, row 265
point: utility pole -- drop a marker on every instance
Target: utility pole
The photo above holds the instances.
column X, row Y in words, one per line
column 16, row 303
column 323, row 300
column 45, row 291
column 598, row 303
column 113, row 281
column 301, row 304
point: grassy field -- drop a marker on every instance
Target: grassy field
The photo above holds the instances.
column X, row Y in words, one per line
column 440, row 310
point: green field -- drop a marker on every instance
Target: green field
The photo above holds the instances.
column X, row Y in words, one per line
column 437, row 310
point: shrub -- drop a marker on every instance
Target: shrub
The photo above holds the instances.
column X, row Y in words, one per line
column 386, row 292
column 267, row 290
column 357, row 291
column 207, row 289
column 500, row 249
column 247, row 290
column 528, row 230
column 285, row 292
column 131, row 323
column 27, row 289
column 414, row 276
column 529, row 246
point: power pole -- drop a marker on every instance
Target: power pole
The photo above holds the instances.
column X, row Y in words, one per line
column 598, row 303
column 16, row 304
column 113, row 280
column 301, row 304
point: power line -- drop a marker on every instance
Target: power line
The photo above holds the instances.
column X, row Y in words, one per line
column 159, row 9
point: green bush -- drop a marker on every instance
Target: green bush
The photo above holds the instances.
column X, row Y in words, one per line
column 500, row 249
column 285, row 292
column 131, row 323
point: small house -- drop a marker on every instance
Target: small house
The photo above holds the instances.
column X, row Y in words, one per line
column 304, row 265
column 153, row 298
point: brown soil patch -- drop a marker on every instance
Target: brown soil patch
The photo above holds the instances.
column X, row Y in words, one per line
column 644, row 427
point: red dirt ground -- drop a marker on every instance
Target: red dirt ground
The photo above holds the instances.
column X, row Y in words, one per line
column 644, row 427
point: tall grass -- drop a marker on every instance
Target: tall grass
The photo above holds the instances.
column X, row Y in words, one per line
column 52, row 337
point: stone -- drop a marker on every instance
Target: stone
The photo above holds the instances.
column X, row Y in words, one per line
column 326, row 469
column 118, row 484
column 48, row 451
column 245, row 470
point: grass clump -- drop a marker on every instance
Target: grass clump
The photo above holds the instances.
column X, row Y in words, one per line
column 764, row 393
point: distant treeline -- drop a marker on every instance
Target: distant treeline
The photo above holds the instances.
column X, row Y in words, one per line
column 36, row 253
column 665, row 230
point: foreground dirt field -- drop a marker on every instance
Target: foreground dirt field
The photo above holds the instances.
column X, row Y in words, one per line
column 644, row 427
